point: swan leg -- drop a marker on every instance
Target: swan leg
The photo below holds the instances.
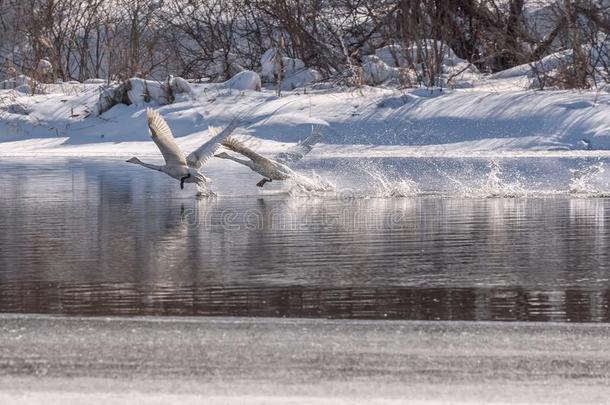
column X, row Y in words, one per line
column 263, row 181
column 182, row 181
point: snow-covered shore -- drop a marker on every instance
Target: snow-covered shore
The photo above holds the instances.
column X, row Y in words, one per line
column 48, row 359
column 495, row 117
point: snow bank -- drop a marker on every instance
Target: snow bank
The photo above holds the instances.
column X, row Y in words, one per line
column 294, row 72
column 95, row 81
column 552, row 66
column 246, row 80
column 180, row 86
column 406, row 63
column 269, row 66
column 376, row 71
column 18, row 81
column 140, row 92
column 496, row 116
column 292, row 65
column 392, row 55
column 301, row 78
column 545, row 65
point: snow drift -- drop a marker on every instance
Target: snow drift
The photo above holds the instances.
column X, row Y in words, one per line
column 292, row 71
column 245, row 80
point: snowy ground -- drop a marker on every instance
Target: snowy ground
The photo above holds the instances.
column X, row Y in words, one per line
column 495, row 117
column 58, row 360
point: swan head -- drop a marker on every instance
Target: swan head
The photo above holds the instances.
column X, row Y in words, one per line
column 134, row 160
column 223, row 155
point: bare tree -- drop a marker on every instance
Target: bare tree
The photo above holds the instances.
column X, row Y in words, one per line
column 118, row 39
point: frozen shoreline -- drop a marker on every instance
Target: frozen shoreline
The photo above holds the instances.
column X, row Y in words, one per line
column 52, row 359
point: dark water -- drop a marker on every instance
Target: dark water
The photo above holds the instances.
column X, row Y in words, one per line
column 108, row 238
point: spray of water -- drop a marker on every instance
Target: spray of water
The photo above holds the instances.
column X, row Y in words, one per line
column 495, row 186
column 309, row 185
column 368, row 180
column 492, row 186
column 386, row 187
column 462, row 188
column 399, row 188
column 204, row 192
column 582, row 181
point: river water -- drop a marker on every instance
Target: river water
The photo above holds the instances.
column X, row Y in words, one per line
column 519, row 239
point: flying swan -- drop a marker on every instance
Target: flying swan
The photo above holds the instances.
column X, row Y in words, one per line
column 271, row 169
column 186, row 169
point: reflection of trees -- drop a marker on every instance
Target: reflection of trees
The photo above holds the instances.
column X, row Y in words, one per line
column 45, row 230
column 506, row 304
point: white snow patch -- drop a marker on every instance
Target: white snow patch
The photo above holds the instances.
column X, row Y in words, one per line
column 493, row 118
column 293, row 71
column 145, row 91
column 245, row 80
column 376, row 71
column 301, row 78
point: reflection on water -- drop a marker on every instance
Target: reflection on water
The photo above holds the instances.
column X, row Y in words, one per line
column 416, row 303
column 104, row 238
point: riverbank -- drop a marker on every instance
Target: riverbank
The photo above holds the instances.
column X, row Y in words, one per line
column 495, row 116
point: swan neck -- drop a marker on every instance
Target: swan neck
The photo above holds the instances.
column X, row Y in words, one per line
column 153, row 167
column 241, row 161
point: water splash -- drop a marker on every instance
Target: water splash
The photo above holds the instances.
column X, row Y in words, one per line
column 400, row 188
column 582, row 179
column 204, row 192
column 495, row 186
column 386, row 187
column 314, row 184
column 465, row 178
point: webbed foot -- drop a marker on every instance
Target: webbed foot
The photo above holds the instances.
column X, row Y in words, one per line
column 182, row 181
column 262, row 182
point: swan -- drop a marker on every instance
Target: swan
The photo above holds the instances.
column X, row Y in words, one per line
column 271, row 169
column 177, row 165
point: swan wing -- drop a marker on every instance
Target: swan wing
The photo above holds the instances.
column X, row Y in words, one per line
column 164, row 139
column 202, row 154
column 237, row 146
column 298, row 151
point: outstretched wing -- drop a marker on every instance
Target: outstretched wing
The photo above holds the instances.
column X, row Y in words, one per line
column 164, row 139
column 236, row 146
column 298, row 151
column 202, row 154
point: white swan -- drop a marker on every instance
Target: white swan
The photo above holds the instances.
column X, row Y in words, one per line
column 185, row 169
column 271, row 169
